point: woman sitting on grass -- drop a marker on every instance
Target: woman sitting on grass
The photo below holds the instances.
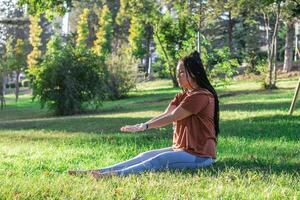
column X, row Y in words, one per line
column 195, row 115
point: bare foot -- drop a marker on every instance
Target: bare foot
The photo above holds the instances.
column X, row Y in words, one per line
column 80, row 172
column 97, row 175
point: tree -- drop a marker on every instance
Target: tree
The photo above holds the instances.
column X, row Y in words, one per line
column 289, row 16
column 68, row 78
column 20, row 63
column 278, row 7
column 102, row 45
column 12, row 23
column 136, row 34
column 83, row 29
column 6, row 63
column 175, row 36
column 2, row 73
column 268, row 8
column 288, row 53
column 230, row 11
column 140, row 16
column 35, row 41
column 50, row 7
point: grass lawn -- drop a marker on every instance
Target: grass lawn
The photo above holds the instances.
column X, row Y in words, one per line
column 258, row 149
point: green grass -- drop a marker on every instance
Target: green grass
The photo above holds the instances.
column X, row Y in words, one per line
column 258, row 149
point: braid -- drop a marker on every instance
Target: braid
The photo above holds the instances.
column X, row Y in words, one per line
column 194, row 67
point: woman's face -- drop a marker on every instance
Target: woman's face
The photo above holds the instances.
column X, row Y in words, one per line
column 183, row 78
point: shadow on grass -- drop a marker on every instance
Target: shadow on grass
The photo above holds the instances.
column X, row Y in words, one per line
column 255, row 165
column 242, row 92
column 244, row 166
column 252, row 107
column 272, row 127
column 82, row 124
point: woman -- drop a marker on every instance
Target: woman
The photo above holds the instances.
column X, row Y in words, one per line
column 195, row 115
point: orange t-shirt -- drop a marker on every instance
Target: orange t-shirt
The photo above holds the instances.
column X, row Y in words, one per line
column 196, row 133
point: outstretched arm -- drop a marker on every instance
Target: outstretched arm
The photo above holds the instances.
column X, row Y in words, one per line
column 168, row 110
column 176, row 115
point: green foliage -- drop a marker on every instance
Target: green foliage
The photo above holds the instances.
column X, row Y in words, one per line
column 20, row 55
column 262, row 68
column 175, row 36
column 159, row 69
column 145, row 10
column 102, row 45
column 135, row 38
column 10, row 58
column 55, row 44
column 67, row 78
column 221, row 67
column 122, row 74
column 52, row 8
column 83, row 29
column 35, row 32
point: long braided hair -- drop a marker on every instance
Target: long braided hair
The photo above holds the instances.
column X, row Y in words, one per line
column 194, row 67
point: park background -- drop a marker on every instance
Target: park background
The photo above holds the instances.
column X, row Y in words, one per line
column 73, row 72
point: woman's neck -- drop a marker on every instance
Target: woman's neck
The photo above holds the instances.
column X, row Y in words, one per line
column 193, row 88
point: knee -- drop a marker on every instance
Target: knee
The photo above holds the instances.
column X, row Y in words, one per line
column 148, row 153
column 159, row 161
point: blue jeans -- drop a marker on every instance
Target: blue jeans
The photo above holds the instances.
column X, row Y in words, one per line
column 159, row 159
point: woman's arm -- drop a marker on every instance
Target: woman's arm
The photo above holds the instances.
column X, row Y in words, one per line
column 176, row 115
column 168, row 110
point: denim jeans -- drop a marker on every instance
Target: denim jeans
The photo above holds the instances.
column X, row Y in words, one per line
column 159, row 159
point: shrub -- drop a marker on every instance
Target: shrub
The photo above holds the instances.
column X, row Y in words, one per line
column 159, row 69
column 122, row 74
column 67, row 78
column 262, row 68
column 221, row 67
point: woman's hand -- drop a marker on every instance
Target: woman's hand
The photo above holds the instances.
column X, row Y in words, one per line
column 134, row 128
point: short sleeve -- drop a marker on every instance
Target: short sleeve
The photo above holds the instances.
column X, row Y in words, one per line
column 176, row 100
column 195, row 103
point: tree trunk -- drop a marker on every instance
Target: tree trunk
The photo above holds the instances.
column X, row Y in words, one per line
column 272, row 49
column 288, row 53
column 275, row 64
column 17, row 85
column 2, row 99
column 172, row 69
column 274, row 46
column 267, row 25
column 148, row 53
column 174, row 79
column 230, row 31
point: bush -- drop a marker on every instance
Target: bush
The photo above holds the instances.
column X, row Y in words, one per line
column 221, row 67
column 122, row 74
column 159, row 69
column 262, row 68
column 67, row 78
